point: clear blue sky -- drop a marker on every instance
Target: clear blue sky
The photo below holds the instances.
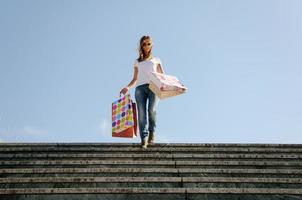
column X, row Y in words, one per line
column 63, row 62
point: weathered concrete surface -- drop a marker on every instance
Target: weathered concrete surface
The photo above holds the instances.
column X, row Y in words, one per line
column 164, row 171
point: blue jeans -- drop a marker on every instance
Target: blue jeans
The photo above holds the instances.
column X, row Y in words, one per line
column 142, row 94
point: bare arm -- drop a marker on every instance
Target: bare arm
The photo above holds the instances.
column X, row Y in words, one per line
column 133, row 81
column 160, row 69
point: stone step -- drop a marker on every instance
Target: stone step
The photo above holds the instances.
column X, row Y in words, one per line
column 161, row 156
column 149, row 179
column 154, row 163
column 58, row 171
column 193, row 195
column 76, row 144
column 151, row 190
column 145, row 172
column 150, row 182
column 150, row 149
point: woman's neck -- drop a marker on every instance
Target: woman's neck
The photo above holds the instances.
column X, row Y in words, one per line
column 149, row 57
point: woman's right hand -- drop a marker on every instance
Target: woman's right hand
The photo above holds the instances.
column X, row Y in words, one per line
column 124, row 90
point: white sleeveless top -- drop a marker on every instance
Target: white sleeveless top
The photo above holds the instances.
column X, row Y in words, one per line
column 145, row 68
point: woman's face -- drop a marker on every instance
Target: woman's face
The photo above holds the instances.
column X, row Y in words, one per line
column 147, row 45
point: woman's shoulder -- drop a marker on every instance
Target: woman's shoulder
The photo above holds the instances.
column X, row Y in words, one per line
column 135, row 62
column 157, row 59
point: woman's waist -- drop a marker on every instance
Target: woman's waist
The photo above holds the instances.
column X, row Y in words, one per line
column 142, row 85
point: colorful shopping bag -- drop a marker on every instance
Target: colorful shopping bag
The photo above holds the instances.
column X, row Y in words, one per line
column 165, row 86
column 124, row 117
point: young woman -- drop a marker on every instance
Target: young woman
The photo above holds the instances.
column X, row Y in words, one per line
column 143, row 66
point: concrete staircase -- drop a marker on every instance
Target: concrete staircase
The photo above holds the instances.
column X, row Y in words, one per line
column 55, row 171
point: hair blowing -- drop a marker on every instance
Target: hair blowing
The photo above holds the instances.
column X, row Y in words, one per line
column 142, row 54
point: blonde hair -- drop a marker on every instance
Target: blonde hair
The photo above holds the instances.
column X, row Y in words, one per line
column 141, row 54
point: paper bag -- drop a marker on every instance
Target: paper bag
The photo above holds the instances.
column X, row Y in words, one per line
column 165, row 86
column 124, row 117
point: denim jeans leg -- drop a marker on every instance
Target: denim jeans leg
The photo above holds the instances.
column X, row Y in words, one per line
column 153, row 101
column 141, row 101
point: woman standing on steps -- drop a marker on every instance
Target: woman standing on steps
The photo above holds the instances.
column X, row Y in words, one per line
column 143, row 66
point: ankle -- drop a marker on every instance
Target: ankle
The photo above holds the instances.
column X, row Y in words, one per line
column 144, row 143
column 151, row 138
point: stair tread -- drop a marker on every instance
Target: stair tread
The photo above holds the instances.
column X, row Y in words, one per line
column 149, row 179
column 156, row 155
column 155, row 170
column 150, row 190
column 154, row 162
column 156, row 144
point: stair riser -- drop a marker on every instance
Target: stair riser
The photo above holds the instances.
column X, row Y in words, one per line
column 93, row 175
column 241, row 185
column 155, row 166
column 150, row 185
column 152, row 175
column 240, row 166
column 150, row 155
column 96, row 197
column 91, row 185
column 87, row 166
column 242, row 197
column 152, row 197
column 152, row 159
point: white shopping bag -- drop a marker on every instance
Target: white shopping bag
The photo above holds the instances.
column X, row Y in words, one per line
column 165, row 85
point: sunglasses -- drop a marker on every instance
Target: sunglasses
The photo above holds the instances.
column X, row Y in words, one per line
column 145, row 44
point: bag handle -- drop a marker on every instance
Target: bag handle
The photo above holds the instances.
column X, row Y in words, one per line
column 127, row 94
